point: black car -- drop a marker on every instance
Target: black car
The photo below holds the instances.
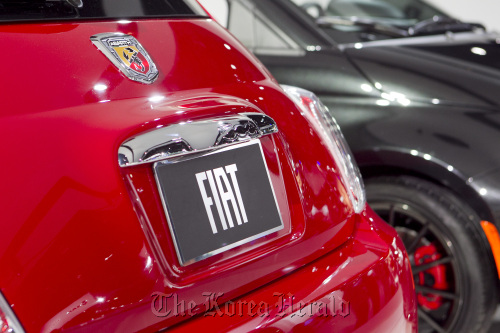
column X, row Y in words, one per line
column 417, row 94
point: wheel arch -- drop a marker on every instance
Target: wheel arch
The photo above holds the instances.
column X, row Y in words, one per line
column 396, row 162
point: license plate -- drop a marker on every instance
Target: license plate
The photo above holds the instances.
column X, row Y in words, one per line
column 217, row 201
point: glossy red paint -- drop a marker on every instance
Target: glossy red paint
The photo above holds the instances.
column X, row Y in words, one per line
column 74, row 248
column 370, row 293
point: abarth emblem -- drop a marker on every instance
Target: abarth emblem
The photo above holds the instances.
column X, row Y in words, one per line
column 126, row 53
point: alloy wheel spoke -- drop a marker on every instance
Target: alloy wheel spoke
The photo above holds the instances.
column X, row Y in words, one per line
column 391, row 215
column 442, row 293
column 416, row 241
column 428, row 319
column 421, row 268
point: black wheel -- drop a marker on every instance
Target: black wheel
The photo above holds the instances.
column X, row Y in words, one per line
column 455, row 278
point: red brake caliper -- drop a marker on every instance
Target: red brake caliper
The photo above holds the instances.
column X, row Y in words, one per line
column 434, row 277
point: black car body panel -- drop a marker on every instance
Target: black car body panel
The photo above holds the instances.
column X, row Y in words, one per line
column 459, row 68
column 429, row 94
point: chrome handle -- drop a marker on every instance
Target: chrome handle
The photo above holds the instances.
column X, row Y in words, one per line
column 195, row 136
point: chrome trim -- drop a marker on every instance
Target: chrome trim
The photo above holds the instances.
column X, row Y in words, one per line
column 279, row 52
column 438, row 39
column 193, row 137
column 229, row 246
column 12, row 321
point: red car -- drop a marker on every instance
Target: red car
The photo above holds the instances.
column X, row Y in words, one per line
column 156, row 176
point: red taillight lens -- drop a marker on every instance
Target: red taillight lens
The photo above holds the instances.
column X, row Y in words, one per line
column 4, row 327
column 8, row 321
column 321, row 118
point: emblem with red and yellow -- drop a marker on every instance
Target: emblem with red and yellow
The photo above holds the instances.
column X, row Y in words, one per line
column 128, row 55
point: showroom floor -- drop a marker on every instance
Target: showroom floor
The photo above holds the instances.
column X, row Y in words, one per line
column 495, row 328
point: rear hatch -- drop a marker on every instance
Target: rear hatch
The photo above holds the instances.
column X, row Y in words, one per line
column 92, row 239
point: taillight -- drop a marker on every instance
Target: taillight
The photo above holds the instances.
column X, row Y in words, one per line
column 326, row 125
column 8, row 321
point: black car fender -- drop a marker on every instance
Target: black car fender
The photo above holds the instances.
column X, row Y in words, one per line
column 390, row 161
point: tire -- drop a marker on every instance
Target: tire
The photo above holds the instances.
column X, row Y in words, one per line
column 455, row 276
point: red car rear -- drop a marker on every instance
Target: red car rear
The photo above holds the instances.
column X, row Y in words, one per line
column 156, row 176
